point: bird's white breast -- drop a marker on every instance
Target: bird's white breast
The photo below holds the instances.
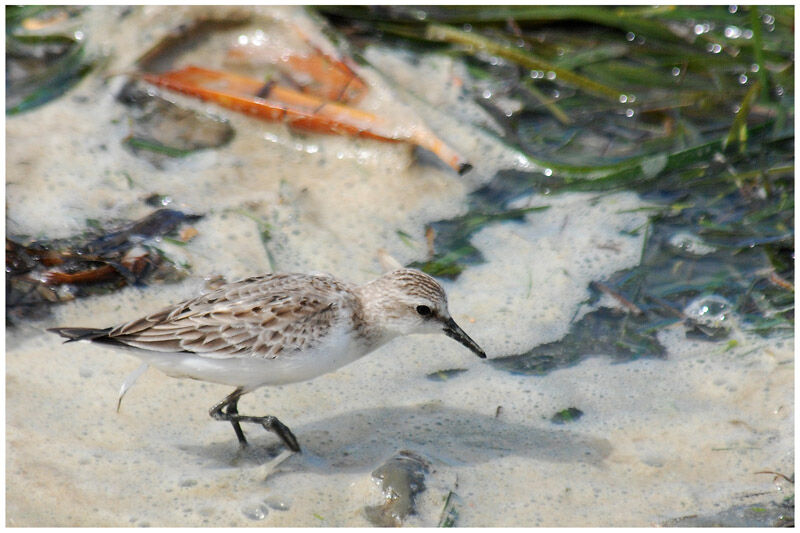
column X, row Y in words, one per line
column 339, row 348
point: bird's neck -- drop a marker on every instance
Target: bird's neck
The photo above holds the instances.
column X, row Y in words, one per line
column 376, row 307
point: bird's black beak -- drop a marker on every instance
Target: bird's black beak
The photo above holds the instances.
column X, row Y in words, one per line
column 452, row 330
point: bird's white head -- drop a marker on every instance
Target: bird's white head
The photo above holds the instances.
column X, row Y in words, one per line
column 408, row 301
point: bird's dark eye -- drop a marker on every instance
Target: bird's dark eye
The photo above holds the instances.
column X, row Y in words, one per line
column 423, row 310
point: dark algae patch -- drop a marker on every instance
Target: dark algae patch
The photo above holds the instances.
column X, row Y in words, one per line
column 690, row 107
column 42, row 272
column 768, row 514
column 452, row 236
column 608, row 332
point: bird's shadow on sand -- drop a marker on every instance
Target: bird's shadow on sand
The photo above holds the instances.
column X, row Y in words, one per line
column 360, row 440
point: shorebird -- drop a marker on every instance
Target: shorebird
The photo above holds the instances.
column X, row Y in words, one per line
column 279, row 328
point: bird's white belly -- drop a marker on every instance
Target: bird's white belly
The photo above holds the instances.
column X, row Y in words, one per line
column 253, row 372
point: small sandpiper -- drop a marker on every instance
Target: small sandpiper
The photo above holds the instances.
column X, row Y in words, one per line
column 279, row 328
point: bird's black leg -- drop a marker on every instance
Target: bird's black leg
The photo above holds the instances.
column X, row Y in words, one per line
column 270, row 423
column 233, row 409
column 231, row 401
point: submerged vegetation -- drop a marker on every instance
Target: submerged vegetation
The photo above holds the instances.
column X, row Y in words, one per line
column 690, row 107
column 45, row 55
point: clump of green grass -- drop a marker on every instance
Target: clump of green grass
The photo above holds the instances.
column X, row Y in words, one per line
column 690, row 107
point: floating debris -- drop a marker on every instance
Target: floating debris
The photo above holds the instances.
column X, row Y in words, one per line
column 387, row 261
column 450, row 511
column 158, row 200
column 570, row 414
column 269, row 101
column 401, row 479
column 156, row 224
column 444, row 375
column 162, row 130
column 308, row 89
column 39, row 273
column 189, row 34
column 623, row 301
column 130, row 380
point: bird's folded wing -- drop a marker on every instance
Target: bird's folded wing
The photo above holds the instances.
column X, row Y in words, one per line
column 260, row 317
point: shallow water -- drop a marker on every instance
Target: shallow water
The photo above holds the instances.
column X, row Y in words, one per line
column 661, row 438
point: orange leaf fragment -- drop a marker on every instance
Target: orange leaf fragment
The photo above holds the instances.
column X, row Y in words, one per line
column 315, row 73
column 301, row 111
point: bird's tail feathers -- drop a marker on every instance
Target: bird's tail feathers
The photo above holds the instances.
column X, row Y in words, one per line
column 80, row 334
